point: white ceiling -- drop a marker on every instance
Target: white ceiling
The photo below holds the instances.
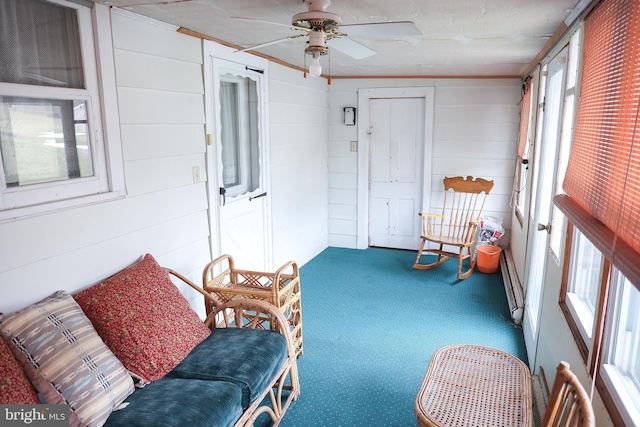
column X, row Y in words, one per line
column 460, row 37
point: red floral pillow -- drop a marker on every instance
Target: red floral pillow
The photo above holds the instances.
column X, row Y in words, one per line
column 144, row 319
column 15, row 388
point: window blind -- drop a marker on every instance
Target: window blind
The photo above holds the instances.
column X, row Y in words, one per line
column 603, row 174
column 525, row 113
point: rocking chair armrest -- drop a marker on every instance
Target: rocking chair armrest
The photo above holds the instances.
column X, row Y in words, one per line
column 430, row 215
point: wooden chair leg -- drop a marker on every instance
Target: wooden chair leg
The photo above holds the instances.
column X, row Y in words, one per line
column 440, row 260
column 472, row 263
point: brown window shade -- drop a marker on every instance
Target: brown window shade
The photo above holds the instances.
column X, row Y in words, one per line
column 603, row 174
column 525, row 112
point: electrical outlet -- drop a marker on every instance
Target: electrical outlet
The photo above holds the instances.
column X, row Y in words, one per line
column 196, row 174
column 354, row 145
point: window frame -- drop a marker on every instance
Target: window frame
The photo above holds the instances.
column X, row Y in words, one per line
column 610, row 381
column 570, row 311
column 100, row 95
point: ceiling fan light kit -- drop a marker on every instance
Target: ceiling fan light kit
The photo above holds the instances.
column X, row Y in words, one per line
column 315, row 48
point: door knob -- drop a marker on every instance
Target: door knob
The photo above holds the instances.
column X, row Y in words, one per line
column 542, row 227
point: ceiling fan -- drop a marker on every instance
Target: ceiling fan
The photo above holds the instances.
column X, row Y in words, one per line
column 325, row 28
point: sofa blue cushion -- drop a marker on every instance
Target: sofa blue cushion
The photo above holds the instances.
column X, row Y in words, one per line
column 178, row 402
column 249, row 358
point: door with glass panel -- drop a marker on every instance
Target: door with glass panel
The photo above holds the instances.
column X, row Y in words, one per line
column 238, row 163
column 544, row 179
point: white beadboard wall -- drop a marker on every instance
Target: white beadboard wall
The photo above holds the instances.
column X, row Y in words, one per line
column 299, row 181
column 474, row 133
column 160, row 98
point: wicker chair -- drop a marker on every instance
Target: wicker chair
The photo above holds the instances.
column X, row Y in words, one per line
column 457, row 225
column 224, row 283
column 569, row 403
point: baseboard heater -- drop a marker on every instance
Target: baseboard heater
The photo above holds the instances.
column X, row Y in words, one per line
column 512, row 286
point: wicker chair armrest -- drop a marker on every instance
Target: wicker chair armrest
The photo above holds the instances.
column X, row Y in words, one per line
column 288, row 275
column 218, row 263
column 207, row 296
column 252, row 314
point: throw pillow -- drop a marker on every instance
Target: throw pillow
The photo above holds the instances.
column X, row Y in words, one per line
column 66, row 360
column 15, row 388
column 144, row 319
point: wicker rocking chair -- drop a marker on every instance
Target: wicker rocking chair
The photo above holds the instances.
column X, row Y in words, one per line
column 457, row 225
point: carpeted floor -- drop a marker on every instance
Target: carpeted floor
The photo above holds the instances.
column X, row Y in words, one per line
column 371, row 323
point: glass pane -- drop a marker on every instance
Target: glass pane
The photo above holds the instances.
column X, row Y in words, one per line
column 584, row 281
column 239, row 118
column 44, row 140
column 39, row 44
column 229, row 126
column 626, row 352
column 622, row 363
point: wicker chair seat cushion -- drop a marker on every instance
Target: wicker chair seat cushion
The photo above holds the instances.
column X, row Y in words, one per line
column 250, row 358
column 177, row 402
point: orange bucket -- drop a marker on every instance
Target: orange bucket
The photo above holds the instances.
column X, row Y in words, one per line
column 488, row 258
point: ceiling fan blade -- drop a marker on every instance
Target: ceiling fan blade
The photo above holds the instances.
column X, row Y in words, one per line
column 398, row 28
column 351, row 48
column 293, row 27
column 284, row 39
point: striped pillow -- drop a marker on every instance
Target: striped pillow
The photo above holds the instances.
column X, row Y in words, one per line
column 66, row 360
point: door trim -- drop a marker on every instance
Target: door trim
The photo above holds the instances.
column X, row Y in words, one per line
column 215, row 53
column 364, row 96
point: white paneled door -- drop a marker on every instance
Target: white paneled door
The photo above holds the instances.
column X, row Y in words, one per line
column 238, row 168
column 396, row 130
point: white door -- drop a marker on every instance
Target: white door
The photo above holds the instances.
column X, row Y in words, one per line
column 396, row 148
column 544, row 176
column 238, row 167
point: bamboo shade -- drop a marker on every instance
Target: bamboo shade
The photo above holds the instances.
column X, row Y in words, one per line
column 525, row 112
column 603, row 174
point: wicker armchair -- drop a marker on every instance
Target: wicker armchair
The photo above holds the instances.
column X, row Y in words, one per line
column 457, row 225
column 224, row 282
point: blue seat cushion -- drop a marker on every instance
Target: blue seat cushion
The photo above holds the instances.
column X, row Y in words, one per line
column 249, row 358
column 178, row 402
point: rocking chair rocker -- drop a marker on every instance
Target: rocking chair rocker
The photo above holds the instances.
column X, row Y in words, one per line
column 457, row 225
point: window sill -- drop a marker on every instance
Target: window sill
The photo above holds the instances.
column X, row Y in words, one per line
column 46, row 208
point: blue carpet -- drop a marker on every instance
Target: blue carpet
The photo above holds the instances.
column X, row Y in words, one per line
column 371, row 324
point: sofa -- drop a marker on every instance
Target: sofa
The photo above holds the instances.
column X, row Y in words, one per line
column 130, row 351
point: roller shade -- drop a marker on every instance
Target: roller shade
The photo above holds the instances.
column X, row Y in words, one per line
column 603, row 174
column 525, row 113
